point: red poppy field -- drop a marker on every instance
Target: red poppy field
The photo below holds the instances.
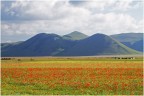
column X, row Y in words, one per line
column 72, row 76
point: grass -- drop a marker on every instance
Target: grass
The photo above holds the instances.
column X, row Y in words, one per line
column 72, row 76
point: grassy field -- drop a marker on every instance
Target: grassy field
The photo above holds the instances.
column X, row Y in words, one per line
column 72, row 76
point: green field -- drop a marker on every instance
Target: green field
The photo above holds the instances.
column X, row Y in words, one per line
column 72, row 76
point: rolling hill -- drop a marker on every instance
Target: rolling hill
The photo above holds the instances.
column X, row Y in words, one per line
column 7, row 46
column 75, row 36
column 40, row 45
column 131, row 40
column 54, row 45
column 98, row 44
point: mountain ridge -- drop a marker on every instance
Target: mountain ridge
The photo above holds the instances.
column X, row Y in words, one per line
column 98, row 44
column 44, row 44
column 131, row 40
column 75, row 35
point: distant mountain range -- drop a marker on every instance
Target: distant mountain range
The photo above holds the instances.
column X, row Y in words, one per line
column 73, row 44
column 131, row 40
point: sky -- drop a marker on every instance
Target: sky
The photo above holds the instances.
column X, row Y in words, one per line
column 22, row 19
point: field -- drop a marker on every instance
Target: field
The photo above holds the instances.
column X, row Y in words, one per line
column 72, row 76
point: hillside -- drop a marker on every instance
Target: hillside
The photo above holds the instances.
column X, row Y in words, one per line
column 98, row 44
column 75, row 36
column 7, row 46
column 39, row 45
column 54, row 45
column 131, row 40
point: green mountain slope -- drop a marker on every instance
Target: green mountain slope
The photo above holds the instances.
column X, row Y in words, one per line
column 131, row 40
column 39, row 45
column 75, row 36
column 54, row 45
column 98, row 44
column 7, row 46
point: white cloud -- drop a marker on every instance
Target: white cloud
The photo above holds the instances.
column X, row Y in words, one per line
column 111, row 5
column 97, row 4
column 109, row 23
column 55, row 9
column 50, row 9
column 62, row 17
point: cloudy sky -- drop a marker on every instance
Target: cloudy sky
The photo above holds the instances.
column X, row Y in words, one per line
column 21, row 19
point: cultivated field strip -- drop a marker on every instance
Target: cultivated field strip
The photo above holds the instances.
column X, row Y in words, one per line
column 58, row 76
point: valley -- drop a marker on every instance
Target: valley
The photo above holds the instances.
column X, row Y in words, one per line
column 72, row 76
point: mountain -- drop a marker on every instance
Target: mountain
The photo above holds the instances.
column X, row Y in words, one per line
column 54, row 45
column 6, row 46
column 98, row 44
column 128, row 37
column 40, row 45
column 75, row 36
column 131, row 40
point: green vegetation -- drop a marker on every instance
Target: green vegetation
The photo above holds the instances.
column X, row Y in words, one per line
column 54, row 45
column 131, row 40
column 75, row 36
column 128, row 37
column 98, row 44
column 72, row 76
